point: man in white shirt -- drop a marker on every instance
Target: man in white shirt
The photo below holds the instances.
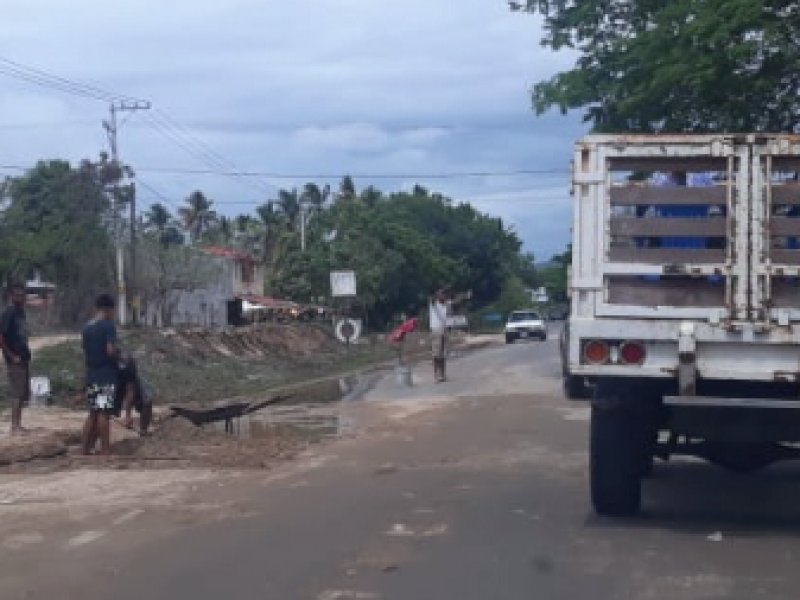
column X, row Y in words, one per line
column 439, row 306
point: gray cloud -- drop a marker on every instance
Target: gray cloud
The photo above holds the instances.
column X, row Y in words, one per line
column 323, row 86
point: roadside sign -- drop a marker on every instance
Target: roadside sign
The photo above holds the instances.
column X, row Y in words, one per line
column 348, row 330
column 343, row 284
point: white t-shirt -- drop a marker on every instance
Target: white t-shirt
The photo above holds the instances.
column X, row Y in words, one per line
column 438, row 316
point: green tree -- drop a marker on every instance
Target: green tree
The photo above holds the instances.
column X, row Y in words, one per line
column 59, row 220
column 166, row 272
column 289, row 206
column 525, row 269
column 680, row 66
column 157, row 218
column 347, row 189
column 245, row 224
column 403, row 247
column 315, row 197
column 370, row 196
column 159, row 222
column 198, row 216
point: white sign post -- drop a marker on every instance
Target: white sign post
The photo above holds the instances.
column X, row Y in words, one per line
column 343, row 284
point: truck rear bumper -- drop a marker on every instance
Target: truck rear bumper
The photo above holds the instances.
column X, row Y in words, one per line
column 735, row 420
column 741, row 354
column 711, row 401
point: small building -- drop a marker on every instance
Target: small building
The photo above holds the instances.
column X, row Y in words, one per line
column 218, row 303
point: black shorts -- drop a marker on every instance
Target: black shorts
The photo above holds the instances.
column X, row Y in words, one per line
column 100, row 397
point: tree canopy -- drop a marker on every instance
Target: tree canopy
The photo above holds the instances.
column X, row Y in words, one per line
column 675, row 65
column 403, row 247
column 59, row 220
column 62, row 220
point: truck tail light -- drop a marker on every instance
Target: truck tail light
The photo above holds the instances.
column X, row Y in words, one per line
column 632, row 353
column 596, row 352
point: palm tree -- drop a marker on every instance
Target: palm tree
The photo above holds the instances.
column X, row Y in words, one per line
column 419, row 191
column 289, row 205
column 371, row 196
column 198, row 215
column 315, row 197
column 159, row 222
column 245, row 224
column 270, row 221
column 158, row 218
column 347, row 189
column 224, row 227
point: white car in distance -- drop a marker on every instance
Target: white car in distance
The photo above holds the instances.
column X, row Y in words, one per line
column 523, row 324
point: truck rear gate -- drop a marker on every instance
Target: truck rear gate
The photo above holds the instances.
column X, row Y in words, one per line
column 686, row 257
column 689, row 229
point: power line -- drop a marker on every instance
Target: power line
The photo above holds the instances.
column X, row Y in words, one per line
column 318, row 176
column 42, row 78
column 162, row 197
column 196, row 148
column 213, row 153
column 49, row 124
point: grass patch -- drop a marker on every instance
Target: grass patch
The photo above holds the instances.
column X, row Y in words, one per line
column 182, row 373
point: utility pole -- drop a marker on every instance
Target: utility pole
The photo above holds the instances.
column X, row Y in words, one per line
column 112, row 130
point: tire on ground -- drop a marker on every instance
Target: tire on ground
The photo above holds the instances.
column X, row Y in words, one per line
column 615, row 461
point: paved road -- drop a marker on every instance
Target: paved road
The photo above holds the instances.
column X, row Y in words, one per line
column 483, row 497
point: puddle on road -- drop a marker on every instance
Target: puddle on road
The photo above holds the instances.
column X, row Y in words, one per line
column 313, row 421
column 313, row 411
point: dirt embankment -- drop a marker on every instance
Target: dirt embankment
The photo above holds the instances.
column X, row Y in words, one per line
column 203, row 366
column 191, row 368
column 266, row 340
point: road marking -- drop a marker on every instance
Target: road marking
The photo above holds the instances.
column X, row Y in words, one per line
column 400, row 530
column 347, row 594
column 87, row 537
column 129, row 516
column 436, row 530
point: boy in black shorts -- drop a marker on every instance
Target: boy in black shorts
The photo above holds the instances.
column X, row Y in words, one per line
column 101, row 359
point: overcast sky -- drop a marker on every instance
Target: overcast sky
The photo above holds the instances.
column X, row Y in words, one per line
column 409, row 87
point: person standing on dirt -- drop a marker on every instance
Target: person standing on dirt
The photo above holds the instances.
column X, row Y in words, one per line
column 439, row 306
column 101, row 357
column 14, row 335
column 133, row 393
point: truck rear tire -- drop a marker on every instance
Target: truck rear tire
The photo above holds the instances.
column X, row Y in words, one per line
column 615, row 461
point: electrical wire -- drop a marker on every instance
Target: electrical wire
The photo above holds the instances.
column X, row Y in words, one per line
column 161, row 197
column 318, row 176
column 268, row 187
column 321, row 176
column 194, row 147
column 39, row 77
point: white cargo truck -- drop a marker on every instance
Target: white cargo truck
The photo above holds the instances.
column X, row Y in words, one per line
column 684, row 328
